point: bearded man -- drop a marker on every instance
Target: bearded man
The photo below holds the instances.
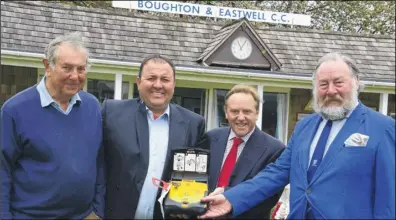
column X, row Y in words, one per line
column 340, row 161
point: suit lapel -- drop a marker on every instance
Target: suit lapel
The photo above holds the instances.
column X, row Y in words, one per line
column 306, row 144
column 351, row 125
column 142, row 131
column 251, row 153
column 177, row 132
column 217, row 149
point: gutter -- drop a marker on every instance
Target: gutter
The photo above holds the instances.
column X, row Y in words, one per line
column 200, row 69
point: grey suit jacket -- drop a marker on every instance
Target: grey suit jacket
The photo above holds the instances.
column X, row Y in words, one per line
column 126, row 144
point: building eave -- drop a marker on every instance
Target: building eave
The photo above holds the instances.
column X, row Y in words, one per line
column 114, row 66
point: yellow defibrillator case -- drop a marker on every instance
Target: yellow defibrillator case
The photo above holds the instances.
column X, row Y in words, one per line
column 189, row 183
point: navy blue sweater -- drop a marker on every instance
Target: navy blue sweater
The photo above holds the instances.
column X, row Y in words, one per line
column 52, row 164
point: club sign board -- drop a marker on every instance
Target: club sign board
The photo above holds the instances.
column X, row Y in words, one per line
column 215, row 11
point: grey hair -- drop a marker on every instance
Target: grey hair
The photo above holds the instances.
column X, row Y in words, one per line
column 335, row 56
column 75, row 39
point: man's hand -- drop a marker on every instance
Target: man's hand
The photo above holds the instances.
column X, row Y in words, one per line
column 217, row 191
column 92, row 216
column 218, row 206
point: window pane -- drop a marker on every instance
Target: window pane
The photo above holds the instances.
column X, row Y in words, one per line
column 135, row 91
column 104, row 89
column 14, row 79
column 221, row 119
column 190, row 98
column 125, row 89
column 391, row 105
column 269, row 121
column 101, row 89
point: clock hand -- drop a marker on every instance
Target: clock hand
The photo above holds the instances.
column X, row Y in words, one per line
column 243, row 44
column 239, row 45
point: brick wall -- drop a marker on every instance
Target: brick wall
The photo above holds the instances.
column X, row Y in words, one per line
column 14, row 79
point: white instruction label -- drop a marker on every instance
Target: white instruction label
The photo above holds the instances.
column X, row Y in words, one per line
column 201, row 163
column 190, row 162
column 178, row 162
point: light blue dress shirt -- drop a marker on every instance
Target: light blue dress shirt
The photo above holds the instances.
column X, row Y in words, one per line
column 335, row 128
column 46, row 99
column 159, row 135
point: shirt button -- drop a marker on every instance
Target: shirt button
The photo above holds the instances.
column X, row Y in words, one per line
column 308, row 191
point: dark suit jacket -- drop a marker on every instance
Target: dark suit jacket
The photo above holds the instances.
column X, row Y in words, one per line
column 260, row 150
column 126, row 144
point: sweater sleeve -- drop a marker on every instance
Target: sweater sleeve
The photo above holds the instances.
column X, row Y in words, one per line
column 100, row 186
column 10, row 151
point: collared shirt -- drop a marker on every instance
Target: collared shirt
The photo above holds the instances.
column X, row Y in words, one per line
column 335, row 128
column 46, row 99
column 158, row 135
column 231, row 137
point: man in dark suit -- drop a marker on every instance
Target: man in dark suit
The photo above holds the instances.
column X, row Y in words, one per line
column 139, row 135
column 240, row 151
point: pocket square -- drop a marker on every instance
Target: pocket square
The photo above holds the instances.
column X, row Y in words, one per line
column 357, row 140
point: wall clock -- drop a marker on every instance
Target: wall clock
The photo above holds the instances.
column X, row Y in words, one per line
column 241, row 48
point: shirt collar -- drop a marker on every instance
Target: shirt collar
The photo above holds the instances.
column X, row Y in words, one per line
column 244, row 138
column 166, row 112
column 45, row 97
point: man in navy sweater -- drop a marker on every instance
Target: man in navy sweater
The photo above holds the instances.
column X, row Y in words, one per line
column 51, row 133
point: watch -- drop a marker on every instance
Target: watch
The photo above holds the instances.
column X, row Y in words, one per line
column 241, row 48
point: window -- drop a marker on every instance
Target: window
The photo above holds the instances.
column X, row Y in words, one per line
column 220, row 116
column 14, row 79
column 391, row 105
column 274, row 115
column 104, row 89
column 270, row 114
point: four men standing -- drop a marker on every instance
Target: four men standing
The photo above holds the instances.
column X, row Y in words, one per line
column 56, row 144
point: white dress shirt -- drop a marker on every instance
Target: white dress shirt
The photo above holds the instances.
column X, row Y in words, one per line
column 231, row 137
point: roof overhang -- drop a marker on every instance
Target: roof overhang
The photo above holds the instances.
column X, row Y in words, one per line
column 114, row 66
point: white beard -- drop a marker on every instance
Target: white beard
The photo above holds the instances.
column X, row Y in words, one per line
column 335, row 113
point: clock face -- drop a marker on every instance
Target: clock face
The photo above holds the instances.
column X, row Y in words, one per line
column 241, row 48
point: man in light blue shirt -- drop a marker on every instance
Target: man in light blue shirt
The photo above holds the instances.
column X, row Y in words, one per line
column 158, row 133
column 139, row 135
column 52, row 164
